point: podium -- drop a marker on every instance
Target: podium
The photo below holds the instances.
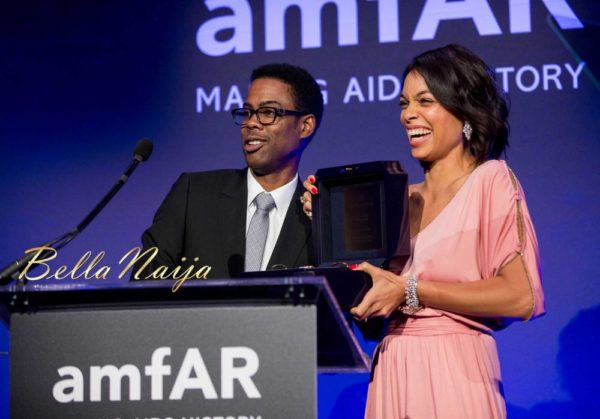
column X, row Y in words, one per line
column 244, row 348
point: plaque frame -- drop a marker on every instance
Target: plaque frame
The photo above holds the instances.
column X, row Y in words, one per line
column 371, row 198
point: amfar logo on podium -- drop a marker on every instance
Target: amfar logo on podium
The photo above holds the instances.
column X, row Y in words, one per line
column 434, row 11
column 192, row 375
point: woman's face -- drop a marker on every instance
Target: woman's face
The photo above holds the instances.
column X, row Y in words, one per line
column 433, row 132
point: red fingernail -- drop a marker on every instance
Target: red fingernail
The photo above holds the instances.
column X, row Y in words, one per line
column 354, row 266
column 311, row 179
column 314, row 190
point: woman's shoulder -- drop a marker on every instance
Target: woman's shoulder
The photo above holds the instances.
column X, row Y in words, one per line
column 493, row 167
column 493, row 171
column 495, row 178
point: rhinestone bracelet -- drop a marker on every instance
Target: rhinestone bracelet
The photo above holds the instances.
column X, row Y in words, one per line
column 412, row 304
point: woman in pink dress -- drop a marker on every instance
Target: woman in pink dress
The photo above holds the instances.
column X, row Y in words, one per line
column 474, row 266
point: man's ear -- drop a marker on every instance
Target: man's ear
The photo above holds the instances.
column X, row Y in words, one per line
column 308, row 126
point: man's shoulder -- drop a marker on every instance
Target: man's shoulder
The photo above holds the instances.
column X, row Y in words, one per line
column 213, row 178
column 212, row 175
column 223, row 182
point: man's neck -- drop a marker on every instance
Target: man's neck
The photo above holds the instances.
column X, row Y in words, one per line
column 272, row 181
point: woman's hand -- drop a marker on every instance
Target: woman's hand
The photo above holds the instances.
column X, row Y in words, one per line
column 384, row 297
column 306, row 197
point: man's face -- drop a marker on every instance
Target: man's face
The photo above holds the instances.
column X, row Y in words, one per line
column 277, row 147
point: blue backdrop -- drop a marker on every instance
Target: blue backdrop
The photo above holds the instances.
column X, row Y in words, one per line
column 82, row 81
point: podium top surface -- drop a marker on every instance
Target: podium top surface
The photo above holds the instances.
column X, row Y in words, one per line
column 338, row 347
column 162, row 293
column 99, row 285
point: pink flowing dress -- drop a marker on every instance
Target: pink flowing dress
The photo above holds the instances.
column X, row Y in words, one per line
column 436, row 364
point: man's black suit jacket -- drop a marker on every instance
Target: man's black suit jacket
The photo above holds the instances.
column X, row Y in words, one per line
column 204, row 217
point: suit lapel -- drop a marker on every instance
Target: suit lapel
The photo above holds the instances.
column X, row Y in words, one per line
column 294, row 238
column 233, row 211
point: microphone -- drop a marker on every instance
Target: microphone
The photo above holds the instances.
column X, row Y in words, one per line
column 143, row 150
column 141, row 153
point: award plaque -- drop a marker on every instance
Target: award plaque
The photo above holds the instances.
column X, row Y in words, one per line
column 361, row 214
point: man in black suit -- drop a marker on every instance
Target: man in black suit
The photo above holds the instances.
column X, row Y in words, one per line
column 205, row 217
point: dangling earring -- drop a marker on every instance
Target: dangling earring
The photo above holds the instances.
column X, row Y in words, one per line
column 467, row 131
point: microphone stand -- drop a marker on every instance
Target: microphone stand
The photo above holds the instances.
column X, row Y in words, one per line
column 13, row 270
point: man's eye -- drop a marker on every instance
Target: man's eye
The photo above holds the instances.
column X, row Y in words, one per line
column 403, row 104
column 267, row 112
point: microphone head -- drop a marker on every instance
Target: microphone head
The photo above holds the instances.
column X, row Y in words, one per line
column 143, row 149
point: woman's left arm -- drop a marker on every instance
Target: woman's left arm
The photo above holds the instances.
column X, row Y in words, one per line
column 506, row 295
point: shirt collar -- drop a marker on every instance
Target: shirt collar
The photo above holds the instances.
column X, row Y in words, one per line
column 282, row 195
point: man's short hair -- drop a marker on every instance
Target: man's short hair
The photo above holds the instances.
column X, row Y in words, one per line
column 305, row 90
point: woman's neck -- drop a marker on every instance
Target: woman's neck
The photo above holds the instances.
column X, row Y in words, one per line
column 448, row 173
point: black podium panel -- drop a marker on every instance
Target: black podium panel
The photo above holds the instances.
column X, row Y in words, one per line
column 215, row 348
column 180, row 362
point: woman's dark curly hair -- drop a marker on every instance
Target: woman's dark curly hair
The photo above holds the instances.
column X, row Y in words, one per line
column 465, row 86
